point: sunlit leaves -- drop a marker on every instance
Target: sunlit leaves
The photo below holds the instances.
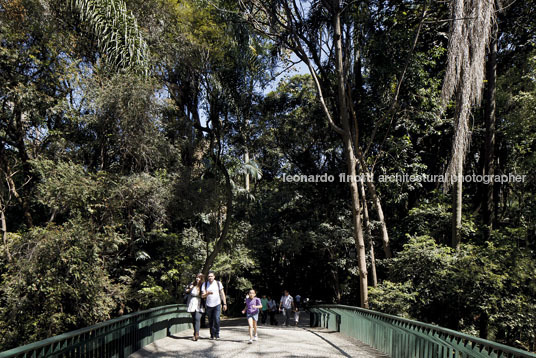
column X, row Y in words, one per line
column 57, row 282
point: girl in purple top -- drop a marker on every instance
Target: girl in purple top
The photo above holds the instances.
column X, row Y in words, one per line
column 252, row 309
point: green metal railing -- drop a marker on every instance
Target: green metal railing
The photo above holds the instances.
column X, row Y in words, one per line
column 401, row 338
column 118, row 337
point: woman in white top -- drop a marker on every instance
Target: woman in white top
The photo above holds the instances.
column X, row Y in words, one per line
column 193, row 304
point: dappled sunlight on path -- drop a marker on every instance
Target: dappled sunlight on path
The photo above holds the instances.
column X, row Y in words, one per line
column 274, row 341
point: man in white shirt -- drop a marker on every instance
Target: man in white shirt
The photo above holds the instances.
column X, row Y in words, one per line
column 212, row 290
column 287, row 304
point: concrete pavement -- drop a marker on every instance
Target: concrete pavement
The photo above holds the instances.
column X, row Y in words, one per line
column 274, row 341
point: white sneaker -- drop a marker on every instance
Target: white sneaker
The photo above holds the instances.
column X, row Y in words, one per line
column 255, row 338
column 250, row 341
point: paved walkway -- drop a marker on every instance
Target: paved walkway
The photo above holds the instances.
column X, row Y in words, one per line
column 301, row 341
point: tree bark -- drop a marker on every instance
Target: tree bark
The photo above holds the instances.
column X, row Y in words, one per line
column 4, row 231
column 22, row 201
column 457, row 208
column 370, row 184
column 344, row 111
column 336, row 284
column 246, row 161
column 377, row 205
column 368, row 234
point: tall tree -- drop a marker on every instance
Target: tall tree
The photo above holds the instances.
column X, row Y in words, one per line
column 307, row 32
column 489, row 199
column 470, row 33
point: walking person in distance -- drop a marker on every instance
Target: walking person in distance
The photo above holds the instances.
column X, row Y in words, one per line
column 252, row 313
column 212, row 290
column 194, row 304
column 264, row 310
column 272, row 309
column 287, row 305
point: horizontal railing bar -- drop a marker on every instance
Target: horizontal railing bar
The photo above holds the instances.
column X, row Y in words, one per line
column 158, row 311
column 105, row 333
column 483, row 342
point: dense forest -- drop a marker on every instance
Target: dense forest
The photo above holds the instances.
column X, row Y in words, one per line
column 142, row 142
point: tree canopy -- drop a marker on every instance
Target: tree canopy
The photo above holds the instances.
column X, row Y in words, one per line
column 142, row 142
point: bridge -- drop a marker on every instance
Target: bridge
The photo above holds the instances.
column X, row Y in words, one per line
column 328, row 331
column 274, row 341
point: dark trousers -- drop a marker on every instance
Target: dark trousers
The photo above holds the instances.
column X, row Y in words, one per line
column 264, row 315
column 196, row 321
column 286, row 313
column 273, row 321
column 213, row 314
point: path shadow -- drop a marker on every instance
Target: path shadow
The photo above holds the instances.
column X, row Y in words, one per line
column 179, row 338
column 304, row 321
column 235, row 337
column 373, row 351
column 328, row 342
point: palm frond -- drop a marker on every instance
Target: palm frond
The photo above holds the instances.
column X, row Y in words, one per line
column 116, row 29
column 252, row 168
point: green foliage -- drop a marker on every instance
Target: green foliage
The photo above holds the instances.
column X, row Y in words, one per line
column 66, row 186
column 433, row 218
column 117, row 32
column 433, row 283
column 57, row 282
column 393, row 298
column 114, row 186
column 120, row 127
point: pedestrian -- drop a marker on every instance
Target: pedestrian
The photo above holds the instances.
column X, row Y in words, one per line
column 286, row 304
column 252, row 313
column 296, row 316
column 194, row 304
column 212, row 290
column 264, row 311
column 297, row 298
column 272, row 309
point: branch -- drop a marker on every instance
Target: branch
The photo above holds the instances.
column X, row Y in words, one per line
column 335, row 127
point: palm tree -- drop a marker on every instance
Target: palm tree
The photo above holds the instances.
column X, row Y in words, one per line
column 119, row 37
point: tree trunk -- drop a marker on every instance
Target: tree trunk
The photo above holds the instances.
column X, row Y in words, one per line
column 483, row 323
column 368, row 234
column 229, row 211
column 377, row 205
column 457, row 208
column 489, row 149
column 20, row 200
column 370, row 184
column 358, row 229
column 246, row 161
column 344, row 111
column 4, row 231
column 23, row 154
column 336, row 285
